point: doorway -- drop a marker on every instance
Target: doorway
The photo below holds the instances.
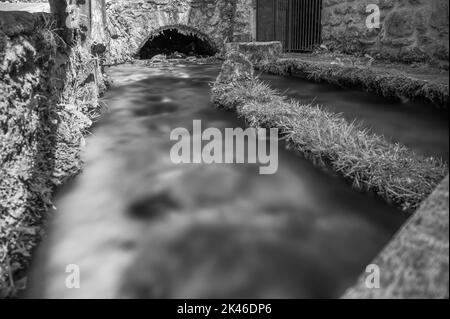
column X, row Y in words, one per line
column 296, row 23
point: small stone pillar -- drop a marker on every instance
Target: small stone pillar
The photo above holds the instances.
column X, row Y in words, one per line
column 98, row 21
column 236, row 68
column 85, row 17
column 254, row 21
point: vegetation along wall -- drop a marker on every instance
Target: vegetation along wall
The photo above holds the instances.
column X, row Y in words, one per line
column 49, row 85
column 130, row 23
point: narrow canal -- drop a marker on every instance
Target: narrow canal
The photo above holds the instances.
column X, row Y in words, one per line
column 140, row 226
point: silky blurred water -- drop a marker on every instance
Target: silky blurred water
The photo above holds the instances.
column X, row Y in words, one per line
column 420, row 126
column 140, row 226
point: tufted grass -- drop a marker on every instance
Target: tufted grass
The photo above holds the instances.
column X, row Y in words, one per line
column 47, row 105
column 369, row 161
column 386, row 84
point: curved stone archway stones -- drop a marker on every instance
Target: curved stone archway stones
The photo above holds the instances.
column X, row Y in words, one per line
column 132, row 23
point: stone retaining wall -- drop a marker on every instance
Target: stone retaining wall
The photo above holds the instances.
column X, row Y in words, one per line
column 415, row 263
column 257, row 52
column 267, row 57
column 410, row 30
column 48, row 96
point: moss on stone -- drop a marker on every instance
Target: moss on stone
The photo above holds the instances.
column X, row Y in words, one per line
column 414, row 265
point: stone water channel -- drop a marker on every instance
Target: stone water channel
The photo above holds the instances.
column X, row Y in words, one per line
column 140, row 226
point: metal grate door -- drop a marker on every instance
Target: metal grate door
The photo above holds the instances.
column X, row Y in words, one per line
column 296, row 23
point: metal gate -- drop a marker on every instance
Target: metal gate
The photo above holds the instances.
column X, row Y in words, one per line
column 296, row 23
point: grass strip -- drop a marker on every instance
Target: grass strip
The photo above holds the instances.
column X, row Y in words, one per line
column 369, row 161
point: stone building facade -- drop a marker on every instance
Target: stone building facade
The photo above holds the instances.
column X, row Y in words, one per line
column 409, row 29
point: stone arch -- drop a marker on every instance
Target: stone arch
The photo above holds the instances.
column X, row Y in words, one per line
column 130, row 24
column 182, row 29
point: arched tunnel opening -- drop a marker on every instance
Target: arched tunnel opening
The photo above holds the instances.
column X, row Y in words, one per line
column 173, row 41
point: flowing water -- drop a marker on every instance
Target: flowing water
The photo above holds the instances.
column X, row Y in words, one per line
column 140, row 226
column 419, row 126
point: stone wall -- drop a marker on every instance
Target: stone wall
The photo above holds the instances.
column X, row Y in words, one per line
column 411, row 30
column 48, row 96
column 414, row 265
column 259, row 53
column 130, row 23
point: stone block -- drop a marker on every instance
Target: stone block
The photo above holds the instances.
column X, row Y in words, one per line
column 257, row 52
column 399, row 24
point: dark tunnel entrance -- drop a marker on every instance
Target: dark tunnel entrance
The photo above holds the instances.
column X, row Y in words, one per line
column 172, row 41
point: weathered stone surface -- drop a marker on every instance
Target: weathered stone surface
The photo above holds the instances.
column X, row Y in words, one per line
column 415, row 263
column 98, row 22
column 257, row 52
column 130, row 23
column 403, row 26
column 236, row 68
column 399, row 24
column 14, row 23
column 48, row 92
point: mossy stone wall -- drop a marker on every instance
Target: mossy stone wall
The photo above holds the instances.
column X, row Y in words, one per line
column 48, row 96
column 131, row 22
column 410, row 30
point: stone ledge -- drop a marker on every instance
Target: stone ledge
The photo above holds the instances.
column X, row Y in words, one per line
column 13, row 23
column 47, row 103
column 389, row 83
column 415, row 263
column 257, row 52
